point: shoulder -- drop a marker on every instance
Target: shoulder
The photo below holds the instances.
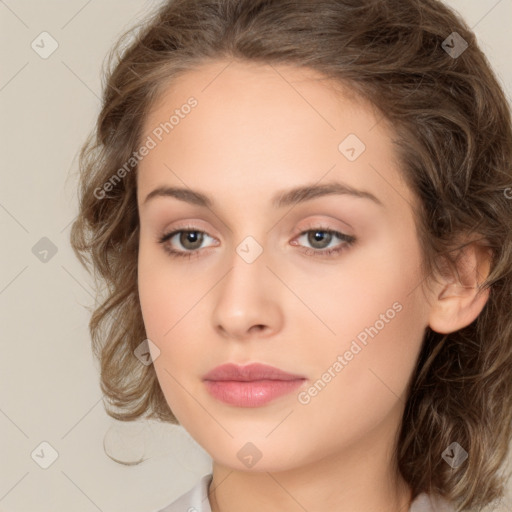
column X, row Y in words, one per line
column 429, row 503
column 194, row 500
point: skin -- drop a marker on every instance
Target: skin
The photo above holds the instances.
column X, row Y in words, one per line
column 256, row 131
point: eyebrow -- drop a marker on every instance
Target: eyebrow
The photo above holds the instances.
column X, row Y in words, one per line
column 280, row 200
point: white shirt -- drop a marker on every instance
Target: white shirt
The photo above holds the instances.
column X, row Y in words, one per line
column 196, row 500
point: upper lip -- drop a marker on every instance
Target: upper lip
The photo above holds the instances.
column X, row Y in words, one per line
column 250, row 372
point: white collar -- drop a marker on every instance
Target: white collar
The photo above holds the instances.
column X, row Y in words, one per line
column 196, row 500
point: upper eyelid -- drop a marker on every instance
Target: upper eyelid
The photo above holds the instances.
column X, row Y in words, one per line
column 296, row 231
column 168, row 235
column 311, row 224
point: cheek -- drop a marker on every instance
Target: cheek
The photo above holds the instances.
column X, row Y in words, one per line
column 171, row 306
column 367, row 283
column 154, row 298
column 170, row 312
column 165, row 294
column 363, row 379
column 171, row 322
column 377, row 312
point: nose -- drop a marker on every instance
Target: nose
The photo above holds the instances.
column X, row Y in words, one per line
column 247, row 300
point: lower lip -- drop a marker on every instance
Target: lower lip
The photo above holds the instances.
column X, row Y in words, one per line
column 250, row 394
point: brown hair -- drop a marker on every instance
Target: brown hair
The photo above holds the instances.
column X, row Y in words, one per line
column 453, row 137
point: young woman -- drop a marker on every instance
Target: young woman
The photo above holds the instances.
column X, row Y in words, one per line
column 302, row 212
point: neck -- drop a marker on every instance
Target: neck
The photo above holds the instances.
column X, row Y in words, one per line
column 362, row 477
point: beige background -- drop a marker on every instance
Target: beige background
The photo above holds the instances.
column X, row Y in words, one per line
column 50, row 391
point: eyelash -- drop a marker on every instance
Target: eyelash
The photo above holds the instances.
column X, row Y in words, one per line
column 347, row 240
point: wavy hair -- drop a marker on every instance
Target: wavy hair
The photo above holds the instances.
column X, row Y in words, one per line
column 452, row 130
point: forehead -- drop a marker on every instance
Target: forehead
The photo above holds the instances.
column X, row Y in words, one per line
column 258, row 125
column 233, row 85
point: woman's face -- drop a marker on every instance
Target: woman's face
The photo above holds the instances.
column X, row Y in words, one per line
column 254, row 283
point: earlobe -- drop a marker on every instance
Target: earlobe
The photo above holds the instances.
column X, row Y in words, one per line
column 458, row 299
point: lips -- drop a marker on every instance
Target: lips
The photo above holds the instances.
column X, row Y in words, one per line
column 251, row 372
column 252, row 385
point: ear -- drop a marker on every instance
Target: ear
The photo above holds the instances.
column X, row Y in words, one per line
column 458, row 299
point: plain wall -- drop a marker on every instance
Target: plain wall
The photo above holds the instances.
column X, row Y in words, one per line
column 50, row 385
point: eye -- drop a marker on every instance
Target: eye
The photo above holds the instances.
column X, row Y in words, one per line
column 320, row 238
column 189, row 238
